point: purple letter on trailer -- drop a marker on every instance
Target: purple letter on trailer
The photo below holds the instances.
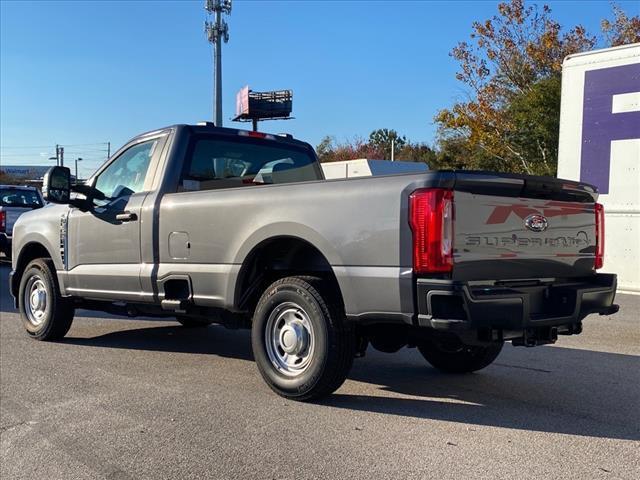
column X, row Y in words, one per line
column 600, row 126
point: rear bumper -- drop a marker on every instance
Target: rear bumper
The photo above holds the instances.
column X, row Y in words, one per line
column 506, row 310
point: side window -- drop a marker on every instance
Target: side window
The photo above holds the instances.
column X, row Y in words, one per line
column 127, row 173
column 213, row 164
column 15, row 197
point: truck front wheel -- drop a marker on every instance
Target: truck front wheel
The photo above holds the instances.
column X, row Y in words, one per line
column 450, row 355
column 302, row 343
column 45, row 314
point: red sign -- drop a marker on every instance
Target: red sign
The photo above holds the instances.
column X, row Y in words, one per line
column 242, row 102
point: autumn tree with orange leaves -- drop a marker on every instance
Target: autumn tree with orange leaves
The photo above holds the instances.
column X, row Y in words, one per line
column 622, row 30
column 511, row 67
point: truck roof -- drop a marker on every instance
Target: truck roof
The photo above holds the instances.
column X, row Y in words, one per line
column 209, row 127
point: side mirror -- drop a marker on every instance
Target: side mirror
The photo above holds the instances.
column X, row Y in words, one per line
column 56, row 185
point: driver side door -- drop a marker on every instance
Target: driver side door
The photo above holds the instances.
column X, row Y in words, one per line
column 104, row 243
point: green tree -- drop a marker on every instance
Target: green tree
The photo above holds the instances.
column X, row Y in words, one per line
column 456, row 152
column 417, row 152
column 534, row 117
column 509, row 65
column 378, row 147
column 329, row 150
column 382, row 138
column 325, row 149
column 512, row 68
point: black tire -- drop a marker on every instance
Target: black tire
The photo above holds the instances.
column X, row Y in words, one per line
column 453, row 356
column 56, row 312
column 189, row 322
column 330, row 338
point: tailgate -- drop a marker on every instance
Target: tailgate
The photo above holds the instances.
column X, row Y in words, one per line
column 518, row 227
column 12, row 214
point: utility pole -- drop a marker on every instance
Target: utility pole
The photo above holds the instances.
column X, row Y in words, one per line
column 79, row 159
column 217, row 31
column 108, row 150
column 59, row 158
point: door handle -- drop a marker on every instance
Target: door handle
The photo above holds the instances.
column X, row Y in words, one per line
column 127, row 217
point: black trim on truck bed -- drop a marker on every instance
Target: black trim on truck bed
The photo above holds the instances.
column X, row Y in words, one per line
column 504, row 310
column 525, row 186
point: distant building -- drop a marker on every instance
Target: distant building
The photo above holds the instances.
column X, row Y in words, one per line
column 28, row 173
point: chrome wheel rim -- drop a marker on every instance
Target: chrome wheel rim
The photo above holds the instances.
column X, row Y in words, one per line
column 289, row 339
column 35, row 300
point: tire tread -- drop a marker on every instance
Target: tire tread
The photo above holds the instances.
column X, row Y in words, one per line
column 341, row 338
column 62, row 310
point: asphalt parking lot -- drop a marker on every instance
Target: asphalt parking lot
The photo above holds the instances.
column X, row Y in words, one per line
column 121, row 399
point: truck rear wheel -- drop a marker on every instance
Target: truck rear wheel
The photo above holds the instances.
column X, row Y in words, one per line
column 453, row 356
column 302, row 343
column 45, row 314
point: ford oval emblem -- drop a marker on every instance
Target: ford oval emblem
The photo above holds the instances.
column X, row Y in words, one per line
column 536, row 223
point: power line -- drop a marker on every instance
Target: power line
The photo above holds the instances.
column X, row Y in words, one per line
column 89, row 147
column 86, row 149
column 86, row 152
column 22, row 147
column 25, row 146
column 39, row 154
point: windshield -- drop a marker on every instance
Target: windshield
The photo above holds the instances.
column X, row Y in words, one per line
column 17, row 197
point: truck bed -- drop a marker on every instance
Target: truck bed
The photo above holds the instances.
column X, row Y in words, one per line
column 361, row 227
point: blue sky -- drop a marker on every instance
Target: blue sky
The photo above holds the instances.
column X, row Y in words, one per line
column 88, row 72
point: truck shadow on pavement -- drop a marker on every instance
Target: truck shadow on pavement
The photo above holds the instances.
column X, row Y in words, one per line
column 546, row 389
column 494, row 399
column 510, row 395
column 213, row 340
column 566, row 391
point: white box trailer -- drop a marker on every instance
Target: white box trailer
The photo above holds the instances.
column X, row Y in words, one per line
column 600, row 144
column 363, row 167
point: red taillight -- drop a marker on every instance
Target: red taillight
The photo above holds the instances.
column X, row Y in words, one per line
column 431, row 220
column 599, row 262
column 3, row 221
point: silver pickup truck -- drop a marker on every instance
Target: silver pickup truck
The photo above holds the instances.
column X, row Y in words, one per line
column 209, row 224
